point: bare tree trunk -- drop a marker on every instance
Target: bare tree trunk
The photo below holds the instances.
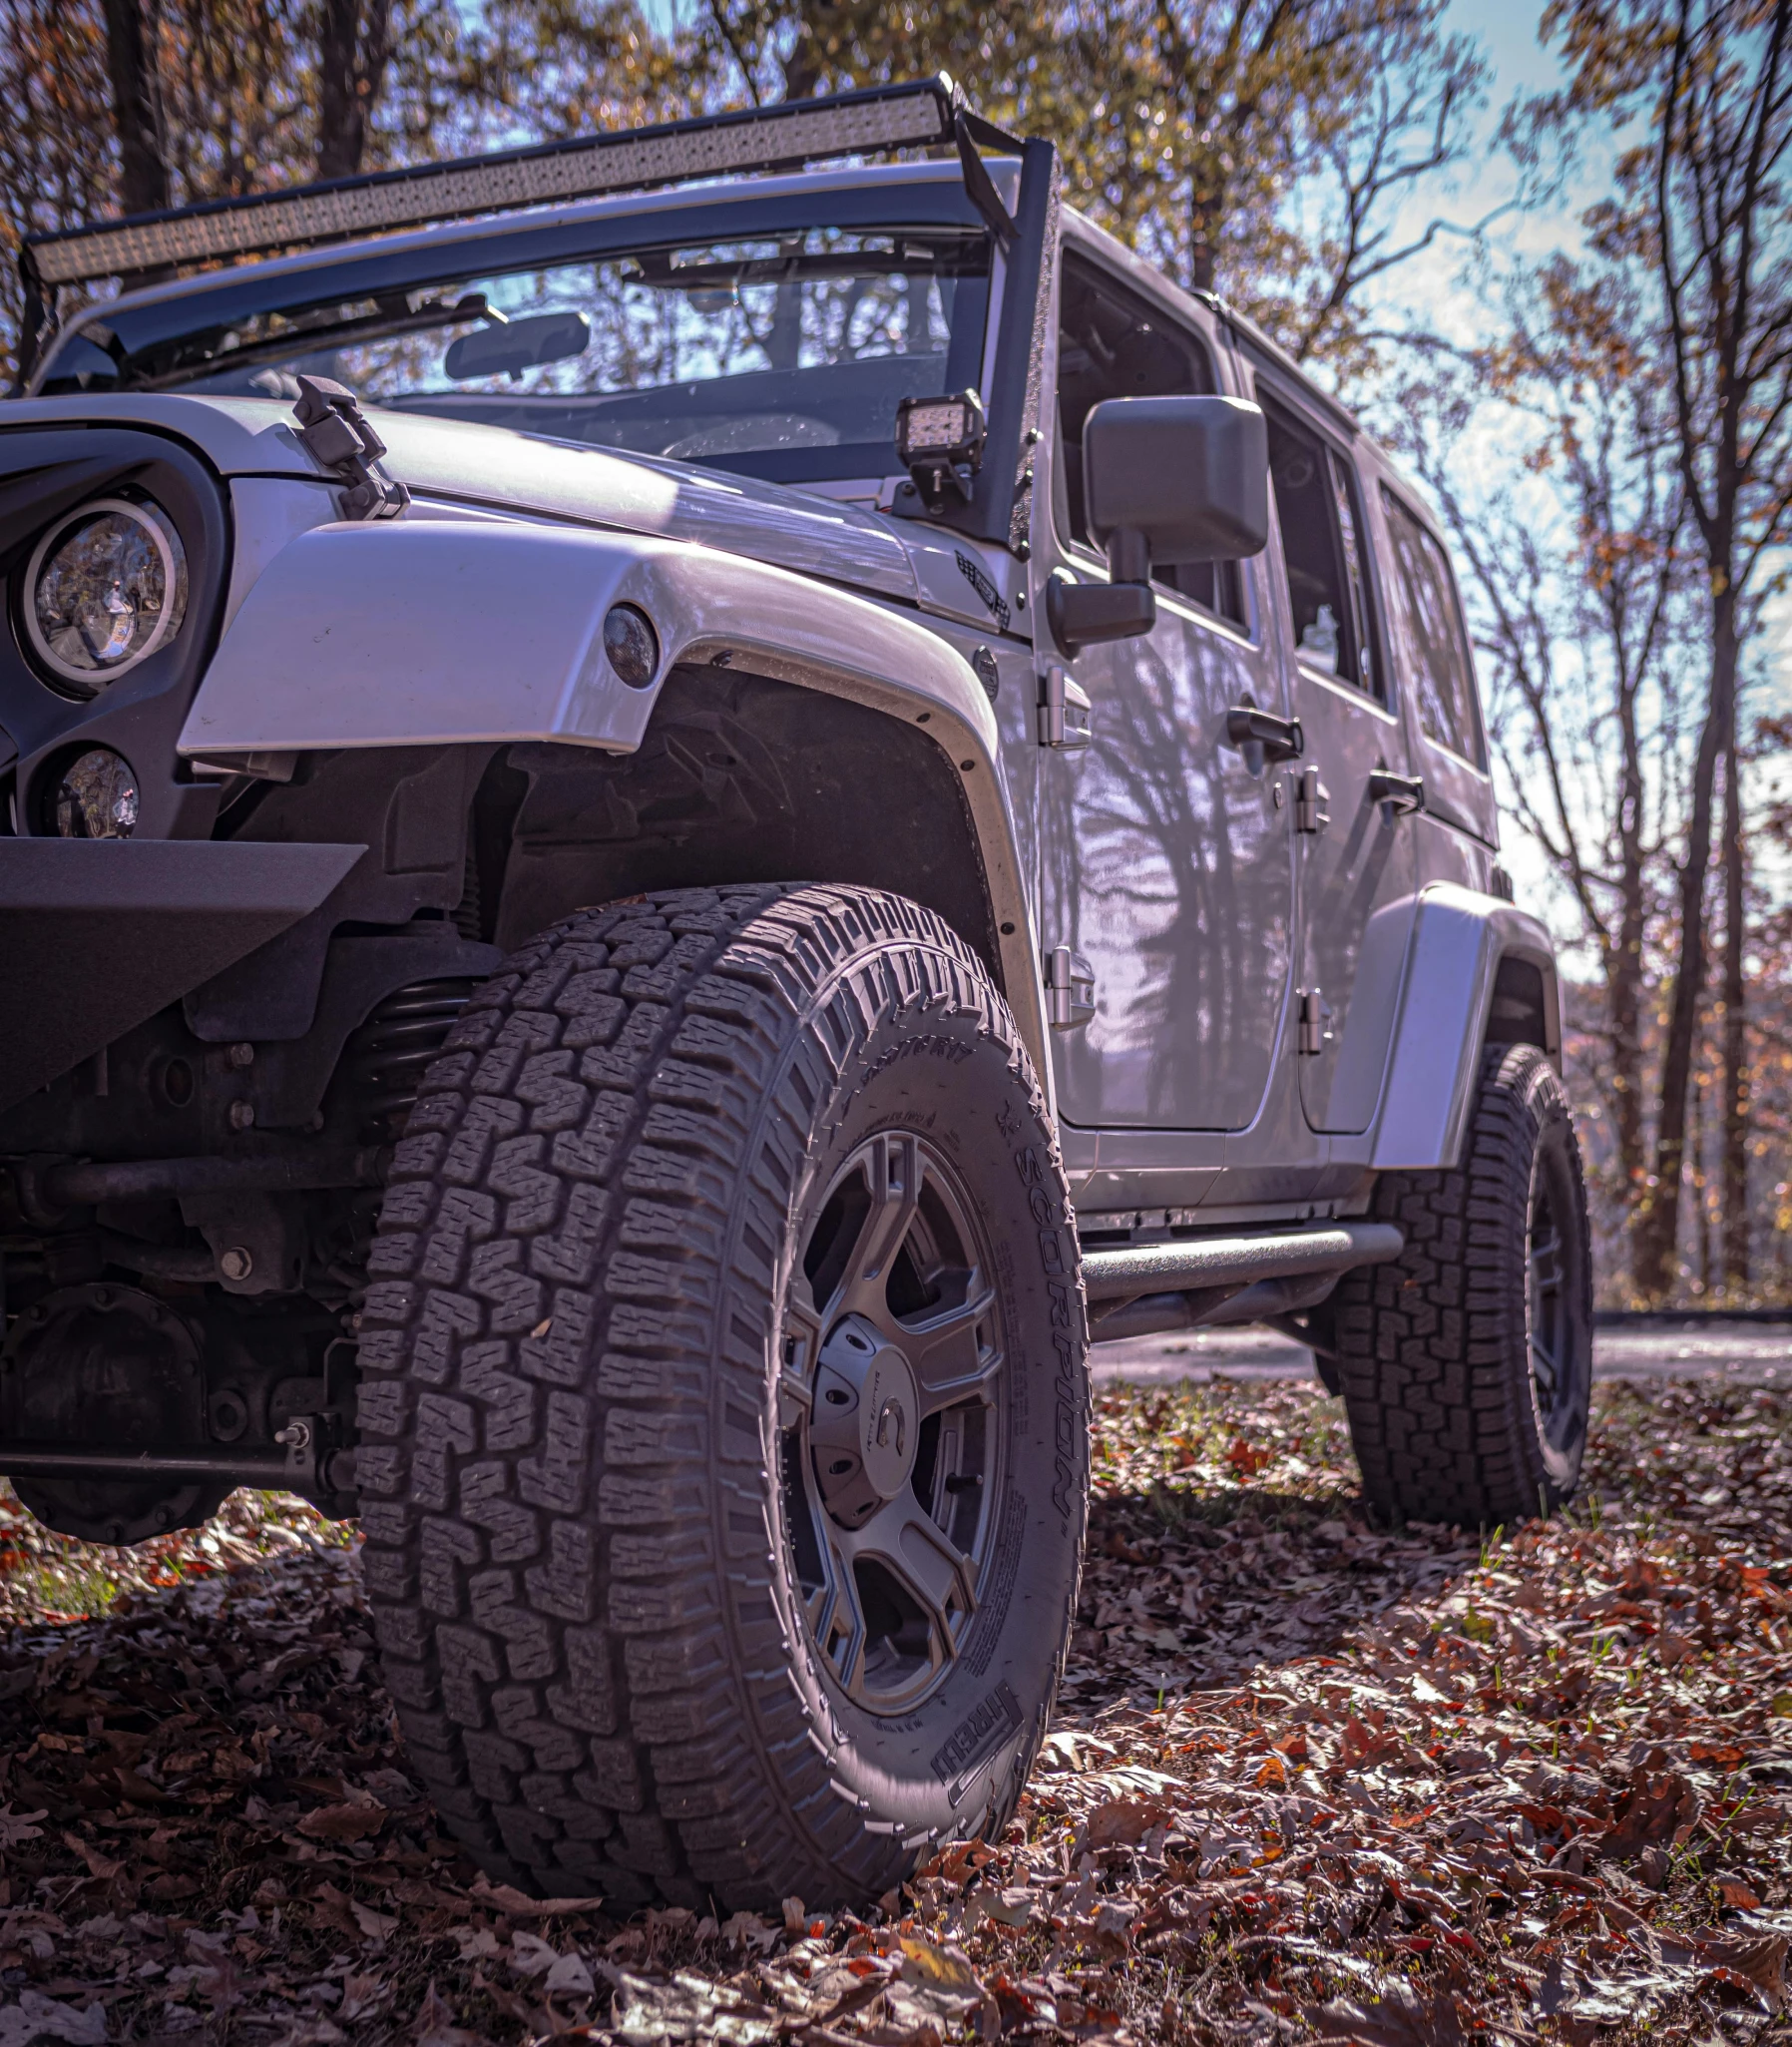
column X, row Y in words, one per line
column 136, row 110
column 1658, row 1219
column 1206, row 219
column 354, row 46
column 1735, row 1031
column 1624, row 974
column 1701, row 1206
column 802, row 68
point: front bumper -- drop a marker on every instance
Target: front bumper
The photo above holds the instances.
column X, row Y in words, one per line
column 99, row 934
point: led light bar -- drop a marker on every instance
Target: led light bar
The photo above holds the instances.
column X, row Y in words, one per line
column 879, row 118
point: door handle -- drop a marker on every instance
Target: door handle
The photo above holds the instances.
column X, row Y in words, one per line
column 1280, row 737
column 1405, row 794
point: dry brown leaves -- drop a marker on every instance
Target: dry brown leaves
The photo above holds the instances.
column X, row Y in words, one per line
column 1309, row 1781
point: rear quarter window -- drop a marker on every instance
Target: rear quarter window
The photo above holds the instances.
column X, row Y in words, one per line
column 1443, row 681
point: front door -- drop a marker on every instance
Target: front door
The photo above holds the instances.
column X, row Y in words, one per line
column 1357, row 863
column 1165, row 860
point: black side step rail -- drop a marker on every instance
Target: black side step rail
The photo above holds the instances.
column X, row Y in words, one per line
column 1147, row 1290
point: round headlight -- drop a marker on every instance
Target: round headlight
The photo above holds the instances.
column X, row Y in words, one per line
column 630, row 645
column 106, row 586
column 95, row 798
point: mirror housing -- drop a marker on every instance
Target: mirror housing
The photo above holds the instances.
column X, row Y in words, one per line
column 1174, row 480
column 1085, row 614
column 1166, row 481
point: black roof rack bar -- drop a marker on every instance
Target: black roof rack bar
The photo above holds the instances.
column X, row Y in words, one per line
column 877, row 118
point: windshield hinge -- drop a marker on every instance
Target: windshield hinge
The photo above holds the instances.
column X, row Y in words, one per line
column 966, row 132
column 337, row 436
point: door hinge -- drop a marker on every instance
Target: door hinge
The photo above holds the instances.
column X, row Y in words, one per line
column 1314, row 1018
column 1312, row 801
column 1064, row 712
column 1069, row 989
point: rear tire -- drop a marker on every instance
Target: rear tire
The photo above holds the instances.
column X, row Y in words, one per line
column 1466, row 1364
column 704, row 1564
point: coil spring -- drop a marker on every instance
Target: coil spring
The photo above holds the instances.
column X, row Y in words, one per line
column 392, row 1050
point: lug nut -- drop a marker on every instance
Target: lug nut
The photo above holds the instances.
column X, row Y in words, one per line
column 243, row 1055
column 237, row 1263
column 242, row 1115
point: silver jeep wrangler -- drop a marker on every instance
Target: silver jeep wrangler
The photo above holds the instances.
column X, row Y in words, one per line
column 672, row 821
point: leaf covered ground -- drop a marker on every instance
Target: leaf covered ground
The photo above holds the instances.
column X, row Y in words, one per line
column 1308, row 1781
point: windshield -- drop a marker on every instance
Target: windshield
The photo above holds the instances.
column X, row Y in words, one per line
column 783, row 356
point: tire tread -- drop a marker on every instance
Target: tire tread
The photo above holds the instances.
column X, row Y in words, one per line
column 1431, row 1348
column 561, row 1367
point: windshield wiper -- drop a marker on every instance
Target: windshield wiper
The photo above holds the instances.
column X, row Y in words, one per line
column 372, row 327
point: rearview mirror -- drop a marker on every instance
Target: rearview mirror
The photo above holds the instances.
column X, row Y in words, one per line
column 518, row 344
column 1164, row 481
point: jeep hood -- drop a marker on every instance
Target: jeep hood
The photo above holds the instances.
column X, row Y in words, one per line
column 504, row 471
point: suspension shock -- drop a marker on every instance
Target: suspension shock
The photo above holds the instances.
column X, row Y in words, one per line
column 389, row 1054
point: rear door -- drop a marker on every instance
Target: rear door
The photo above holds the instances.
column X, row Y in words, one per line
column 1164, row 859
column 1443, row 713
column 1356, row 864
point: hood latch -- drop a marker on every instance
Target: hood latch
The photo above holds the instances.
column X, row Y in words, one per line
column 337, row 436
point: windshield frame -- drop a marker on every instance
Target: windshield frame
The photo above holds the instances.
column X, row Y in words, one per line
column 918, row 194
column 594, row 231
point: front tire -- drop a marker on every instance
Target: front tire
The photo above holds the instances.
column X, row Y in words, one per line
column 723, row 1406
column 1466, row 1364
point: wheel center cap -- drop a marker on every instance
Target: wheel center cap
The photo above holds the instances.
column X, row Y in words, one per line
column 866, row 1421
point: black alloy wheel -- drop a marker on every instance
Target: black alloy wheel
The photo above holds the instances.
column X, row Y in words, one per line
column 1557, row 1335
column 894, row 1406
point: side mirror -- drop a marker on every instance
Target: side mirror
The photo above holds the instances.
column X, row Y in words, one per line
column 1164, row 481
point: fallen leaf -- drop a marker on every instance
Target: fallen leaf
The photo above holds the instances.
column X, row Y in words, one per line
column 942, row 1973
column 1122, row 1823
column 436, row 2026
column 18, row 1826
column 1654, row 1811
column 531, row 1955
column 342, row 1823
column 375, row 1925
column 362, row 1995
column 1758, row 1965
column 1404, row 2017
column 517, row 1905
column 102, row 1866
column 569, row 1977
column 37, row 2017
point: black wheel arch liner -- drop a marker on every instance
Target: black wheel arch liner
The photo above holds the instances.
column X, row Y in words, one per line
column 375, row 867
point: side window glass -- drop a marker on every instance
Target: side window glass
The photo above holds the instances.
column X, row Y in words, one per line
column 1114, row 345
column 1443, row 683
column 1316, row 507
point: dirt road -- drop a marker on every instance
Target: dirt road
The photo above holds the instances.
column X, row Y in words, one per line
column 1739, row 1352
